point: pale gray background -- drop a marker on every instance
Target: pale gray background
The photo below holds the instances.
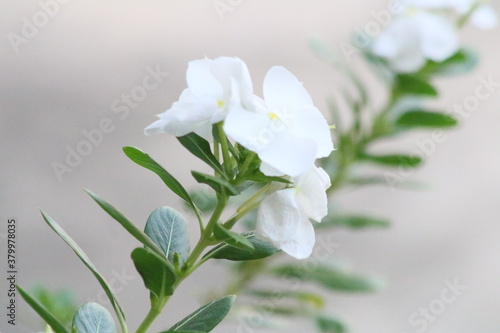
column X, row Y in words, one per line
column 65, row 79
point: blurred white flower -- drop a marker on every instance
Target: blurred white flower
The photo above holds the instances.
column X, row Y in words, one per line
column 483, row 16
column 283, row 216
column 415, row 36
column 213, row 87
column 428, row 30
column 287, row 131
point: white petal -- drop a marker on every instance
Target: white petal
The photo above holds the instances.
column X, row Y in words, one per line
column 189, row 114
column 439, row 36
column 324, row 178
column 400, row 44
column 269, row 170
column 280, row 221
column 311, row 195
column 484, row 17
column 288, row 154
column 247, row 128
column 202, row 81
column 234, row 69
column 281, row 88
column 391, row 41
column 311, row 124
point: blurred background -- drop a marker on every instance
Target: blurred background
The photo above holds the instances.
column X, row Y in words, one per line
column 72, row 74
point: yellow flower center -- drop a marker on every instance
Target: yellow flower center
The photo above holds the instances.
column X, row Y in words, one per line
column 273, row 116
column 220, row 104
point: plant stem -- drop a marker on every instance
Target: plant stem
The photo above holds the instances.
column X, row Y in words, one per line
column 225, row 151
column 153, row 313
column 246, row 164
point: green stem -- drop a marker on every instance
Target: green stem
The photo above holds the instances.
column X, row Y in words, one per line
column 225, row 151
column 153, row 313
column 246, row 164
column 206, row 237
column 190, row 265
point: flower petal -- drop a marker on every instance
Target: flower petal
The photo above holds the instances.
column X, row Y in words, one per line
column 280, row 221
column 281, row 88
column 311, row 195
column 438, row 35
column 400, row 44
column 484, row 17
column 201, row 80
column 189, row 114
column 311, row 124
column 288, row 154
column 247, row 128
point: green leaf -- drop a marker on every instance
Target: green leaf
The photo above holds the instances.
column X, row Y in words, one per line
column 200, row 148
column 157, row 273
column 83, row 257
column 60, row 303
column 129, row 226
column 147, row 162
column 394, row 160
column 330, row 278
column 425, row 119
column 407, row 84
column 232, row 238
column 353, row 222
column 93, row 318
column 464, row 61
column 168, row 229
column 304, row 297
column 220, row 185
column 259, row 177
column 56, row 326
column 206, row 318
column 262, row 249
column 206, row 201
column 330, row 325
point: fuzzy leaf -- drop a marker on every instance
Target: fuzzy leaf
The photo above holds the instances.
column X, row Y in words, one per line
column 168, row 229
column 93, row 318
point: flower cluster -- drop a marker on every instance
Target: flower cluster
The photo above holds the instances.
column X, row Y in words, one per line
column 428, row 30
column 285, row 130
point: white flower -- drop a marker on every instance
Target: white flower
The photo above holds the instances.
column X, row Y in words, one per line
column 416, row 36
column 484, row 16
column 283, row 217
column 286, row 130
column 214, row 86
